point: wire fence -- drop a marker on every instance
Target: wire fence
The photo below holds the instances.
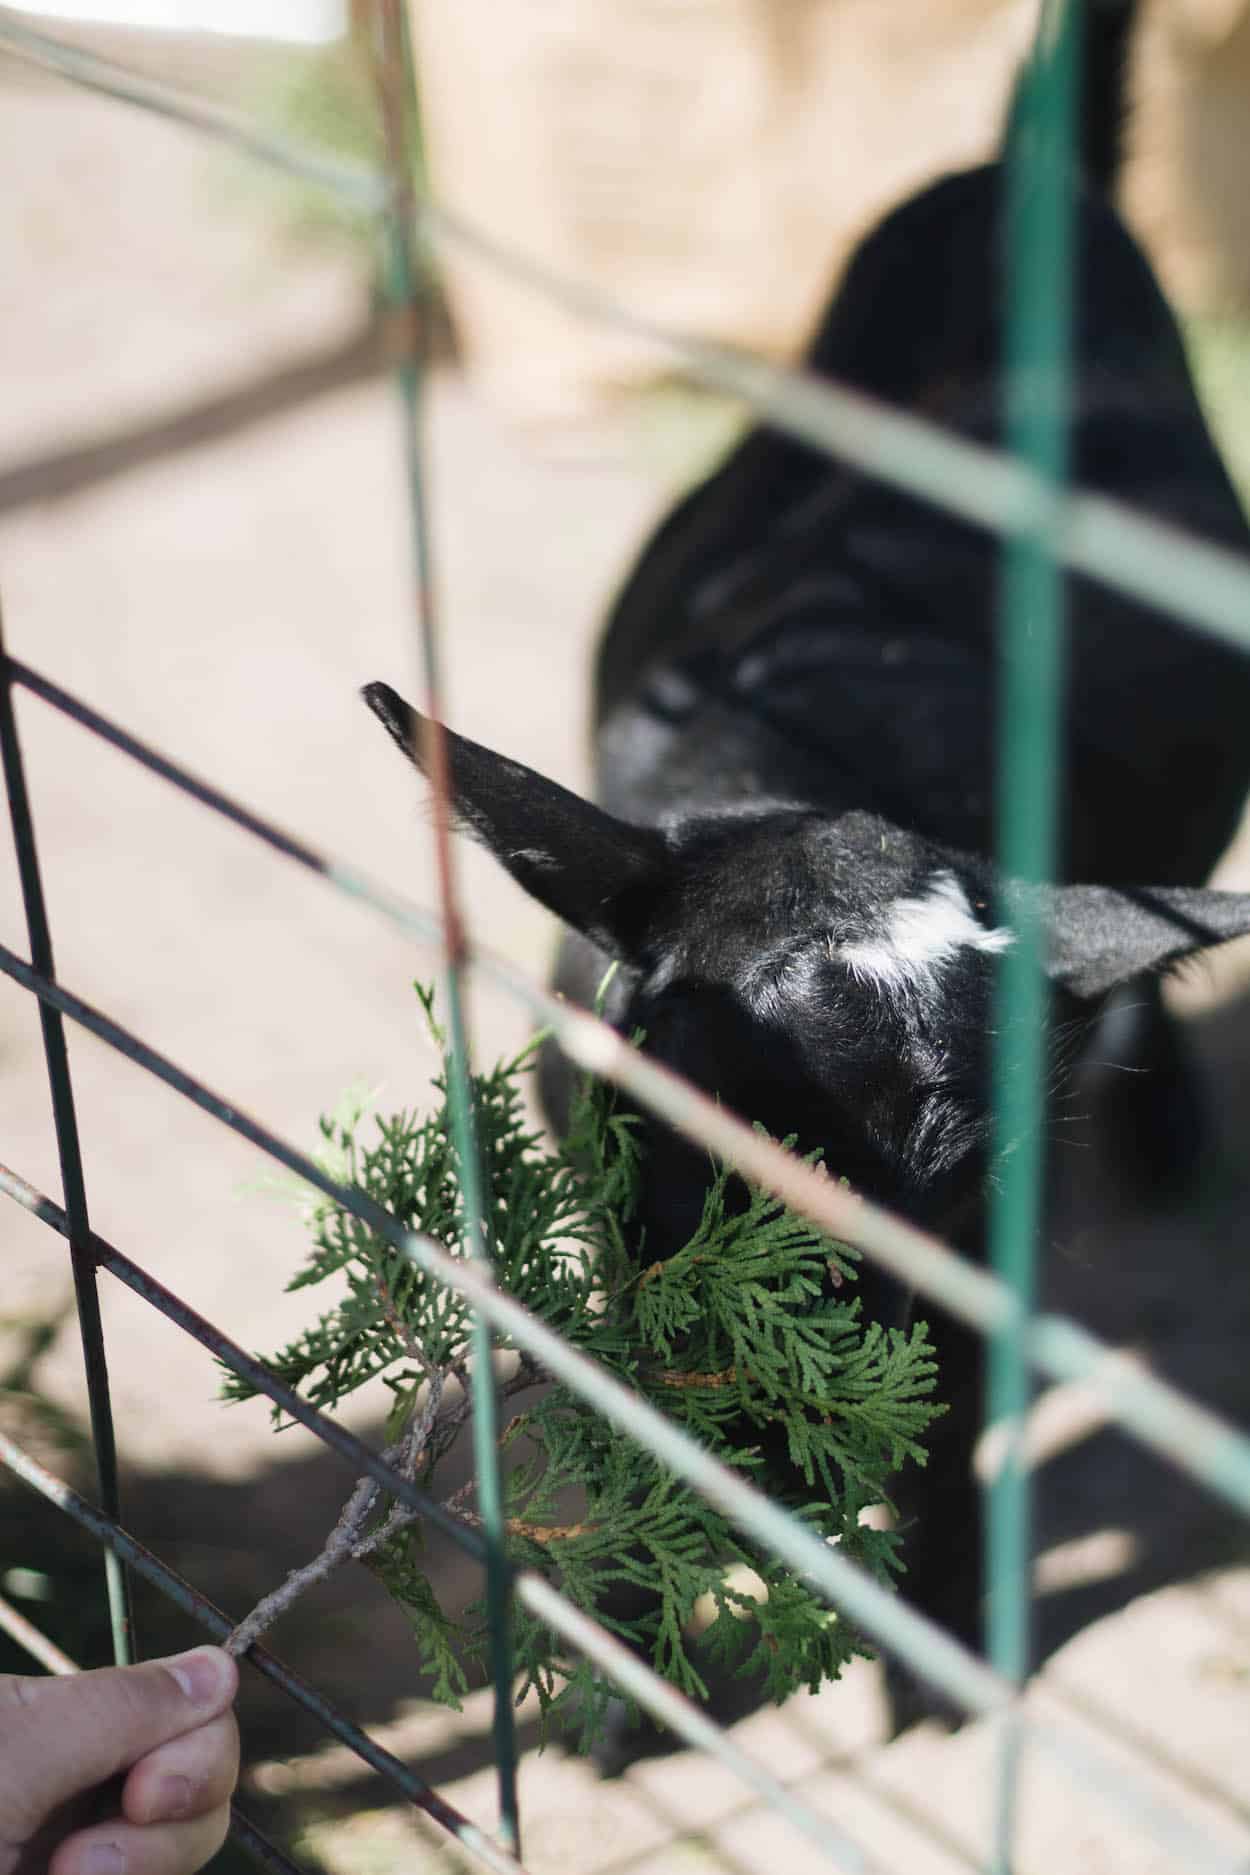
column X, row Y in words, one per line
column 1022, row 494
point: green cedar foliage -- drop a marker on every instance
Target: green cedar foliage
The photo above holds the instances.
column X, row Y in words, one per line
column 750, row 1337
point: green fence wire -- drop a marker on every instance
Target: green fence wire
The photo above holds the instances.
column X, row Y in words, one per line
column 397, row 98
column 1023, row 495
column 1038, row 286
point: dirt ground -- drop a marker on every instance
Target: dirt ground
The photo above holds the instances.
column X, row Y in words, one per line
column 221, row 589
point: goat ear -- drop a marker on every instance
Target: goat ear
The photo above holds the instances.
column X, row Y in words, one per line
column 1101, row 936
column 595, row 872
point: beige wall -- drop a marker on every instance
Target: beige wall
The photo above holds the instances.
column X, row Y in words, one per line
column 711, row 162
column 1187, row 179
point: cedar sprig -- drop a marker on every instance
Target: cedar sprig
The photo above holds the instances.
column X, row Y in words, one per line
column 751, row 1337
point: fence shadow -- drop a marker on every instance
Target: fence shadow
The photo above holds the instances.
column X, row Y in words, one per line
column 1170, row 1287
column 365, row 352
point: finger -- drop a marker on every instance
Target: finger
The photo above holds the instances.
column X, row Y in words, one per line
column 135, row 1849
column 60, row 1736
column 185, row 1778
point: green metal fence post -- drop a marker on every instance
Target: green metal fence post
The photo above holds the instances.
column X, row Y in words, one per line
column 397, row 95
column 69, row 1152
column 1037, row 259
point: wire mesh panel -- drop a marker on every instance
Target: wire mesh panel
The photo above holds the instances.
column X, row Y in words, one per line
column 1023, row 495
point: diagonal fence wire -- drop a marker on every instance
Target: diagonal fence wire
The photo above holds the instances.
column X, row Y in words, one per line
column 33, row 1641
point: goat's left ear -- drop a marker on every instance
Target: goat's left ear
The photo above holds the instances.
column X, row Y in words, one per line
column 1100, row 936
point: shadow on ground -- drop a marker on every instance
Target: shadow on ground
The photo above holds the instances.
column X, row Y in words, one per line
column 233, row 1542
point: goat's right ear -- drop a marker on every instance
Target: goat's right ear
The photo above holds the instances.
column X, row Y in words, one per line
column 1101, row 936
column 597, row 873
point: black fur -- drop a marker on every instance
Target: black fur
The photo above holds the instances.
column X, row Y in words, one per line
column 795, row 705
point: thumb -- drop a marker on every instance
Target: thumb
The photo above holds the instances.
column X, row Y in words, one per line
column 61, row 1736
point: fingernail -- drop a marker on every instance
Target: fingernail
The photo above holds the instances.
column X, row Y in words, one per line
column 199, row 1673
column 173, row 1799
column 104, row 1858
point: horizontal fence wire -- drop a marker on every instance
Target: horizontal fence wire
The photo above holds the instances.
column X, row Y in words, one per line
column 660, row 1699
column 882, row 1615
column 1206, row 586
column 1191, row 1436
column 1199, row 583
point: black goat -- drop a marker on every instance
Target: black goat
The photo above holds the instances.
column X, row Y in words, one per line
column 790, row 858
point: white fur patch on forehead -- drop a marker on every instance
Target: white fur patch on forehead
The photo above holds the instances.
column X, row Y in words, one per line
column 917, row 934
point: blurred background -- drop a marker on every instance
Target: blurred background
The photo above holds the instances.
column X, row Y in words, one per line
column 203, row 533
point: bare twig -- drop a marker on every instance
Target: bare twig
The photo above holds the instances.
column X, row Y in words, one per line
column 429, row 1433
column 459, row 1498
column 338, row 1550
column 412, row 1347
column 350, row 1541
column 410, row 1451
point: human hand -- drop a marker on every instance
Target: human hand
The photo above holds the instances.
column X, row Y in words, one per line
column 162, row 1731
